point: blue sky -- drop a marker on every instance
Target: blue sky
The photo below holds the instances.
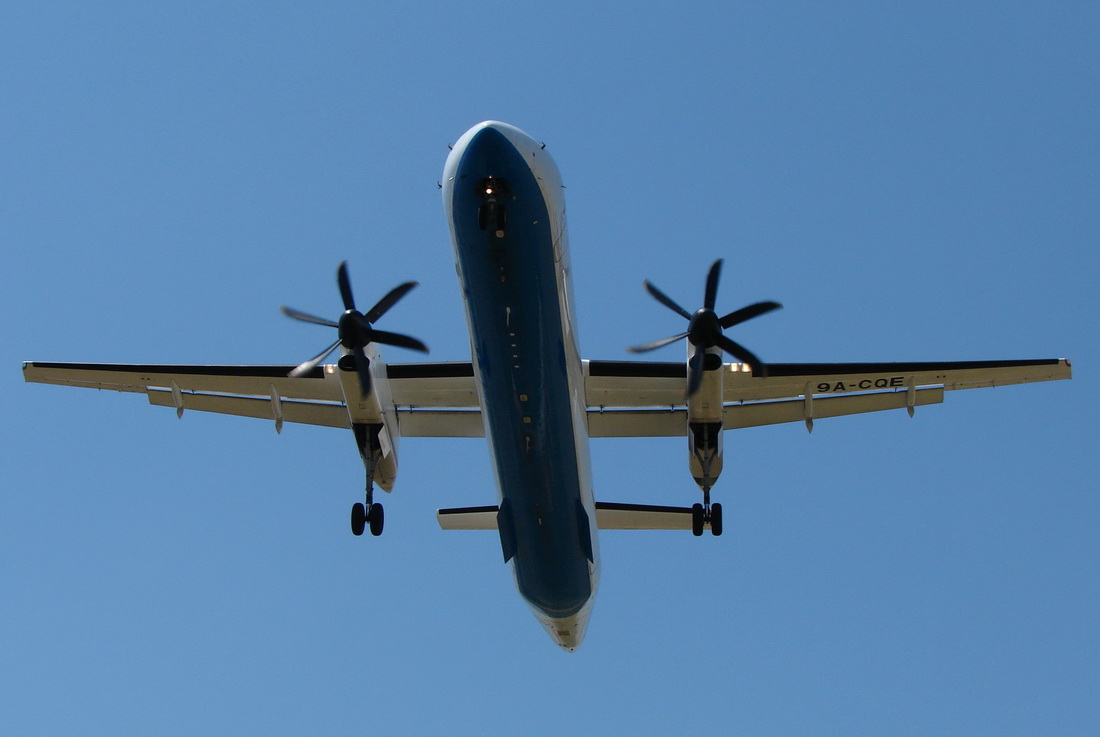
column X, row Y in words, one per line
column 914, row 181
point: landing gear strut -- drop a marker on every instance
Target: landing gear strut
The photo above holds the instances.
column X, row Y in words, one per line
column 368, row 513
column 702, row 514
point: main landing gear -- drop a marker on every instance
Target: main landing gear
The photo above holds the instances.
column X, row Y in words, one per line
column 368, row 513
column 706, row 513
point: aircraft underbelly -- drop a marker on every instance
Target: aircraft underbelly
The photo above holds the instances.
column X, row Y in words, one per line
column 509, row 273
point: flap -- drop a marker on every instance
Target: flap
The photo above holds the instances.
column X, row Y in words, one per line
column 667, row 422
column 755, row 414
column 309, row 413
column 434, row 423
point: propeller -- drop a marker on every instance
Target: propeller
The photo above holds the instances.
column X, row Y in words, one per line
column 356, row 329
column 705, row 328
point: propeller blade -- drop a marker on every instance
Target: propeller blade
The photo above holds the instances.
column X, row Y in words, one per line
column 695, row 369
column 304, row 368
column 345, row 286
column 389, row 301
column 362, row 367
column 666, row 300
column 654, row 345
column 747, row 313
column 712, row 285
column 705, row 329
column 355, row 328
column 740, row 352
column 397, row 339
column 306, row 317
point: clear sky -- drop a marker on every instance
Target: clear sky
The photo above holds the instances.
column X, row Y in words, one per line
column 913, row 181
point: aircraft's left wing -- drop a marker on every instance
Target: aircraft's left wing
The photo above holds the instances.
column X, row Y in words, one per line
column 640, row 398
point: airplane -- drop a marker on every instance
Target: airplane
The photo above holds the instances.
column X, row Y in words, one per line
column 527, row 391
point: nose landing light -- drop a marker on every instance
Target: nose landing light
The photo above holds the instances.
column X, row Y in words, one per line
column 492, row 186
column 491, row 214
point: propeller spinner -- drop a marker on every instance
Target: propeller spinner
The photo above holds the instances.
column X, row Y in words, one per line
column 705, row 328
column 356, row 329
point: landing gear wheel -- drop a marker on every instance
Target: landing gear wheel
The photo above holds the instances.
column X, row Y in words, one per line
column 697, row 520
column 359, row 519
column 716, row 519
column 377, row 518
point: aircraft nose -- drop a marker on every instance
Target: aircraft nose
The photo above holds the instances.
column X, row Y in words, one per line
column 488, row 140
column 488, row 149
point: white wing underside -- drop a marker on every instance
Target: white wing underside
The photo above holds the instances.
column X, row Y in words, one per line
column 625, row 398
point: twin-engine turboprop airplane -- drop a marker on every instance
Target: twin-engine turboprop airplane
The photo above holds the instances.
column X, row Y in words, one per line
column 528, row 392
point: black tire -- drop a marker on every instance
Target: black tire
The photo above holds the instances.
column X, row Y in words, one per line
column 716, row 519
column 358, row 518
column 377, row 518
column 697, row 520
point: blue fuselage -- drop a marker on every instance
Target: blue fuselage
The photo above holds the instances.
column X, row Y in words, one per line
column 503, row 196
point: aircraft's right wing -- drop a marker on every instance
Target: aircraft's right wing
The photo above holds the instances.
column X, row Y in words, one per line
column 639, row 398
column 264, row 392
column 431, row 399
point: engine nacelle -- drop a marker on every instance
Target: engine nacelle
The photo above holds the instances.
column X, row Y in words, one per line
column 378, row 453
column 705, row 452
column 375, row 428
column 704, row 418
